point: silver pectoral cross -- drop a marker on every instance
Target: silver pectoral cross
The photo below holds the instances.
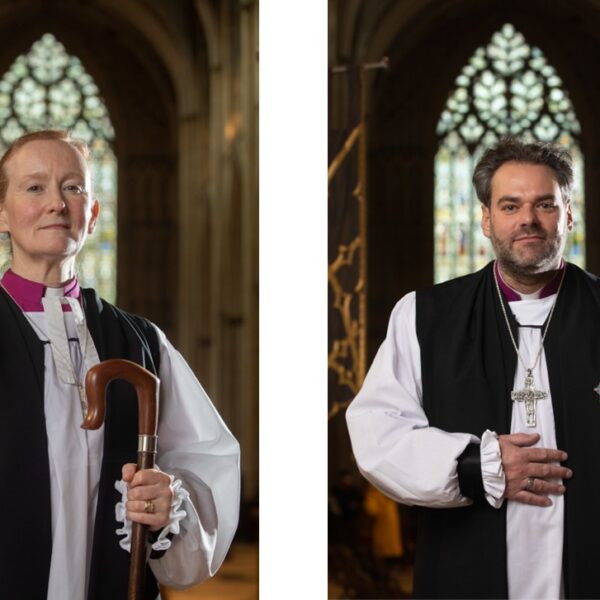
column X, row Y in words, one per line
column 530, row 396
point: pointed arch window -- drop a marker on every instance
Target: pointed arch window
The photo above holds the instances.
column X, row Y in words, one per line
column 49, row 88
column 507, row 87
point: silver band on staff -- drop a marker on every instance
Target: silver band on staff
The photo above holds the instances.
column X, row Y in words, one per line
column 147, row 443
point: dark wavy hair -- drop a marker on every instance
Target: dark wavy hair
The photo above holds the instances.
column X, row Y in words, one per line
column 513, row 149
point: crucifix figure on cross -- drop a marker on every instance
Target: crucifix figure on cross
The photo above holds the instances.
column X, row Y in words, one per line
column 530, row 396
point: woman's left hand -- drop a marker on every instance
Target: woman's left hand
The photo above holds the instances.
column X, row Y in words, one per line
column 149, row 496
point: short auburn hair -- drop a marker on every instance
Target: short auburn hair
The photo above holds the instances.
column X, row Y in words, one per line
column 61, row 135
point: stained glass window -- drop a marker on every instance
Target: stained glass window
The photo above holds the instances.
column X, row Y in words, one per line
column 507, row 87
column 47, row 88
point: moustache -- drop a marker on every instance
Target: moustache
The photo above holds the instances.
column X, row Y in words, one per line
column 538, row 232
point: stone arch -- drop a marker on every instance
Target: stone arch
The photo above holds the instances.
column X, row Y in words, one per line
column 143, row 112
column 427, row 50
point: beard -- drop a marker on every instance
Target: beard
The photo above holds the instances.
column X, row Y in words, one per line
column 531, row 259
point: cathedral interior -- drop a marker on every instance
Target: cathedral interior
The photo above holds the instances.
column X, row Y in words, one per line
column 423, row 86
column 166, row 93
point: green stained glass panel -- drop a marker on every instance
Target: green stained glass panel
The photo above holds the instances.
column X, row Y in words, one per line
column 47, row 88
column 506, row 87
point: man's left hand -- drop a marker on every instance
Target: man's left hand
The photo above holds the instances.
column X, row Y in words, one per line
column 149, row 496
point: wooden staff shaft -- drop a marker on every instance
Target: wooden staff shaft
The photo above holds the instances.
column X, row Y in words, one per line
column 139, row 537
column 146, row 387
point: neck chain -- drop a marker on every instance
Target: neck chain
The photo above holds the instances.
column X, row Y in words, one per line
column 529, row 395
column 41, row 334
column 60, row 351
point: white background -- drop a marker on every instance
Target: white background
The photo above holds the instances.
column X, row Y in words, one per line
column 293, row 297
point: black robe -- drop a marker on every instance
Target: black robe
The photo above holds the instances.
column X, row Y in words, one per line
column 24, row 467
column 468, row 366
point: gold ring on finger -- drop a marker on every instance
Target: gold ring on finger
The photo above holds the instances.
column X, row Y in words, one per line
column 148, row 506
column 530, row 483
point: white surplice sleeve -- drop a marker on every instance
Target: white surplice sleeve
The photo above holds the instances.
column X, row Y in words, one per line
column 195, row 446
column 394, row 446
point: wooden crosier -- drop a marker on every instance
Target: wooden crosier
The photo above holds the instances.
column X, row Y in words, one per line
column 146, row 386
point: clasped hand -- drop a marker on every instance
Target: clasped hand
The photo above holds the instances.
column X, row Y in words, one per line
column 521, row 462
column 148, row 487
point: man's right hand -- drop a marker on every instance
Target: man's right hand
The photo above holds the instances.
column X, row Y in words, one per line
column 520, row 462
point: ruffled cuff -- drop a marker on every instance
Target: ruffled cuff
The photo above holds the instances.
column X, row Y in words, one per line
column 177, row 513
column 492, row 472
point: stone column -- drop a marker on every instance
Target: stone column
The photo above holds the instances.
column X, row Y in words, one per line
column 194, row 314
column 233, row 191
column 147, row 248
column 249, row 237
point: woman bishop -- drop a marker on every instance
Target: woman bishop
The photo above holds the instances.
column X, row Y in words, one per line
column 63, row 485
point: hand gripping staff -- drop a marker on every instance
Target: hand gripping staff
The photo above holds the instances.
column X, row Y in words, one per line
column 146, row 386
